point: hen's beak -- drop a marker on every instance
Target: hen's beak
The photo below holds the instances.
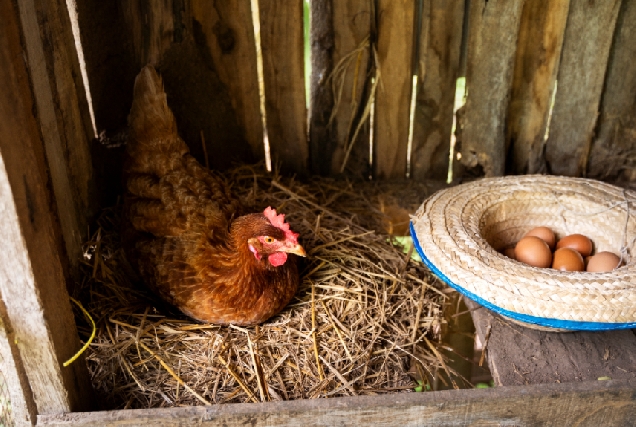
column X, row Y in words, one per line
column 296, row 250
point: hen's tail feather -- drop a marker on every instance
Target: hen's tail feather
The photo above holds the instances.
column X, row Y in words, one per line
column 150, row 117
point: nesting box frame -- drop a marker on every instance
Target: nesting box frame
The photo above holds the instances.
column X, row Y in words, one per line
column 514, row 51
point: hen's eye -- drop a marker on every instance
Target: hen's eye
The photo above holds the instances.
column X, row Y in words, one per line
column 268, row 239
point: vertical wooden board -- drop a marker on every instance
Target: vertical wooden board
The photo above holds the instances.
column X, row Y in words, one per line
column 32, row 282
column 63, row 116
column 536, row 67
column 22, row 409
column 492, row 43
column 588, row 38
column 351, row 26
column 393, row 93
column 229, row 31
column 283, row 72
column 440, row 50
column 613, row 153
column 151, row 29
column 323, row 137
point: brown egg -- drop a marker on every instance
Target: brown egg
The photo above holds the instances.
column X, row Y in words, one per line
column 566, row 259
column 533, row 251
column 578, row 242
column 603, row 262
column 509, row 252
column 543, row 233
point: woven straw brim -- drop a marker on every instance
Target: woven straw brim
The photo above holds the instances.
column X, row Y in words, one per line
column 459, row 232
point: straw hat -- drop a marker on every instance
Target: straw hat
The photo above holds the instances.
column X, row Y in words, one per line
column 459, row 232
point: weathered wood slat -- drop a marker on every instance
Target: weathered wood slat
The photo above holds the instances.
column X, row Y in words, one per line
column 588, row 38
column 229, row 31
column 32, row 282
column 613, row 153
column 151, row 30
column 440, row 44
column 393, row 94
column 536, row 66
column 492, row 42
column 352, row 25
column 587, row 404
column 23, row 408
column 62, row 112
column 519, row 356
column 323, row 137
column 283, row 71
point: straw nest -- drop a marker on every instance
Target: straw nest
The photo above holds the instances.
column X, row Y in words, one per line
column 461, row 231
column 366, row 319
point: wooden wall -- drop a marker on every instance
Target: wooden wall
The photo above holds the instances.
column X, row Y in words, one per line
column 364, row 56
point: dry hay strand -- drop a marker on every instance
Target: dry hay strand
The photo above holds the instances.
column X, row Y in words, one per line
column 363, row 316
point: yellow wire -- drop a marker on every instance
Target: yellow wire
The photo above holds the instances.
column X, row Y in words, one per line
column 88, row 316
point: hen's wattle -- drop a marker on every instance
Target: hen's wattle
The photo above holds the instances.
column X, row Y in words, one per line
column 186, row 233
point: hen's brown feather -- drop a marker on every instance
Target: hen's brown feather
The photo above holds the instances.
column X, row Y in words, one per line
column 184, row 231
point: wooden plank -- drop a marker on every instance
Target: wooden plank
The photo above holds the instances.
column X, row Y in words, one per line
column 613, row 153
column 323, row 137
column 228, row 29
column 352, row 26
column 440, row 50
column 519, row 356
column 536, row 66
column 282, row 47
column 62, row 114
column 23, row 407
column 151, row 30
column 586, row 404
column 32, row 282
column 393, row 94
column 492, row 42
column 588, row 38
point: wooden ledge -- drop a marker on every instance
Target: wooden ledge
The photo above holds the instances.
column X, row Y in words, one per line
column 592, row 403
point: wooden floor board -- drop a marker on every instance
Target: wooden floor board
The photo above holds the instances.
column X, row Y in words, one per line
column 520, row 356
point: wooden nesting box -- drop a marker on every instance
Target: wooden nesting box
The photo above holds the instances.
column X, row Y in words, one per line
column 381, row 105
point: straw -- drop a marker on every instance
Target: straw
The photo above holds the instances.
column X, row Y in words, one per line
column 342, row 334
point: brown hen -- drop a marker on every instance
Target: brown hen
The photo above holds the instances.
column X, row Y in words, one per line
column 186, row 233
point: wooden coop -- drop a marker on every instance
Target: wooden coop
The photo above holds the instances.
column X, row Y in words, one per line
column 380, row 105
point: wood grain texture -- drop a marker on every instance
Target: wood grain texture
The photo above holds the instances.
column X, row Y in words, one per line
column 352, row 26
column 440, row 50
column 23, row 408
column 536, row 66
column 393, row 96
column 323, row 137
column 519, row 356
column 586, row 46
column 62, row 115
column 151, row 30
column 32, row 280
column 229, row 31
column 283, row 71
column 613, row 153
column 492, row 42
column 586, row 404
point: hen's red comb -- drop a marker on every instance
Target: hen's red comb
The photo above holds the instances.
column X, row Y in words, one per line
column 279, row 221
